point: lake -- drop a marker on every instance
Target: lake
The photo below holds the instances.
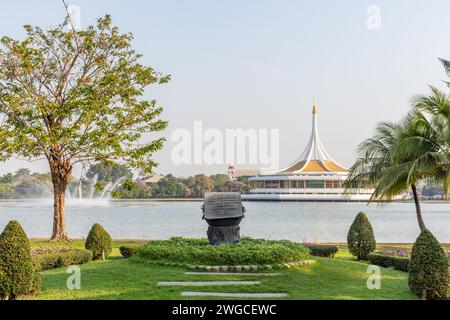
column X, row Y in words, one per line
column 297, row 221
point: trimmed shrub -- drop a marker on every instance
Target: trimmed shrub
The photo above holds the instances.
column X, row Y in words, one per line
column 322, row 250
column 389, row 261
column 128, row 251
column 99, row 242
column 61, row 257
column 16, row 266
column 428, row 270
column 246, row 252
column 360, row 238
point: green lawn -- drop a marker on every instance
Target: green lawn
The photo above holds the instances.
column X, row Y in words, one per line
column 118, row 278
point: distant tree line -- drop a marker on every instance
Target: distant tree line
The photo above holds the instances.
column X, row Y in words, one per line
column 170, row 186
column 23, row 184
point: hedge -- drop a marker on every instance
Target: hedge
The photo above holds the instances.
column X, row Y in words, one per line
column 322, row 250
column 246, row 252
column 128, row 251
column 61, row 257
column 389, row 261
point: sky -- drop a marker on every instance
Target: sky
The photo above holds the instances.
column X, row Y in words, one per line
column 258, row 64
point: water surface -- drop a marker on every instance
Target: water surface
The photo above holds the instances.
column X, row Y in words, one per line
column 298, row 221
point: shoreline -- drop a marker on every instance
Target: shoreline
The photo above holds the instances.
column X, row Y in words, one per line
column 201, row 200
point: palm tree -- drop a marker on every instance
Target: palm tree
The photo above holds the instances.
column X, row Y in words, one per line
column 432, row 132
column 400, row 155
column 383, row 167
column 446, row 64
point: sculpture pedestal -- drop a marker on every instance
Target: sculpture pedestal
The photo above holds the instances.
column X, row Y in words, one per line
column 223, row 235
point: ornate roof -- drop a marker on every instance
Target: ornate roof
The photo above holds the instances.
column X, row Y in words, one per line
column 314, row 158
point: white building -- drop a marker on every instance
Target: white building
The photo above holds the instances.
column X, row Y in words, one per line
column 314, row 176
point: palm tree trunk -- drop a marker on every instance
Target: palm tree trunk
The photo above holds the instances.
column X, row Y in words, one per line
column 418, row 210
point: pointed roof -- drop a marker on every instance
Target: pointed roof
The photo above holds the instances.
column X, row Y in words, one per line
column 314, row 158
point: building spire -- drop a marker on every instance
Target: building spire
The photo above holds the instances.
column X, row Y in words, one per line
column 314, row 105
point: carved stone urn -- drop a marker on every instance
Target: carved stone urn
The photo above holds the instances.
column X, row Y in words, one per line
column 223, row 211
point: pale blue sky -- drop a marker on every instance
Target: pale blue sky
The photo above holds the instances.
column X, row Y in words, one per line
column 258, row 64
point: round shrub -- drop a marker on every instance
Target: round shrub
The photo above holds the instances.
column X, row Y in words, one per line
column 360, row 238
column 16, row 266
column 99, row 242
column 428, row 269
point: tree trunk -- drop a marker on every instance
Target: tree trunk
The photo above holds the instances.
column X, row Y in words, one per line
column 418, row 210
column 60, row 178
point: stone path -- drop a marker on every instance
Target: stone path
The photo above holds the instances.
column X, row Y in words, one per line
column 207, row 283
column 233, row 274
column 234, row 295
column 219, row 273
column 238, row 271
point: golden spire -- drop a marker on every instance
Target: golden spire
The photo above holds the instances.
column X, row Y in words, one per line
column 314, row 106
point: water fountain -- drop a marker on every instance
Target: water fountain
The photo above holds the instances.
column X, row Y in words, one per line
column 76, row 198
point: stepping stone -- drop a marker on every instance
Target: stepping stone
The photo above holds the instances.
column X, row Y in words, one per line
column 207, row 283
column 234, row 295
column 232, row 274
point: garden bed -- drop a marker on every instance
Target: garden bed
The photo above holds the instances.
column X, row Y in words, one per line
column 247, row 252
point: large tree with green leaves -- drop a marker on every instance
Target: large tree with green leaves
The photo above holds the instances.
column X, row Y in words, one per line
column 72, row 96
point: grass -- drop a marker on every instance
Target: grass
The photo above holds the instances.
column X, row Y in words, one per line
column 118, row 278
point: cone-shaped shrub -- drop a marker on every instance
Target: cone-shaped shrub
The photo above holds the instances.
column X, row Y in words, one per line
column 99, row 242
column 360, row 238
column 428, row 269
column 16, row 266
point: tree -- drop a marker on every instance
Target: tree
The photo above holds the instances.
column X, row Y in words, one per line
column 377, row 167
column 16, row 266
column 7, row 191
column 169, row 186
column 400, row 155
column 108, row 173
column 360, row 238
column 428, row 269
column 74, row 97
column 7, row 178
column 431, row 125
column 200, row 184
column 30, row 189
column 236, row 186
column 21, row 174
column 219, row 181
